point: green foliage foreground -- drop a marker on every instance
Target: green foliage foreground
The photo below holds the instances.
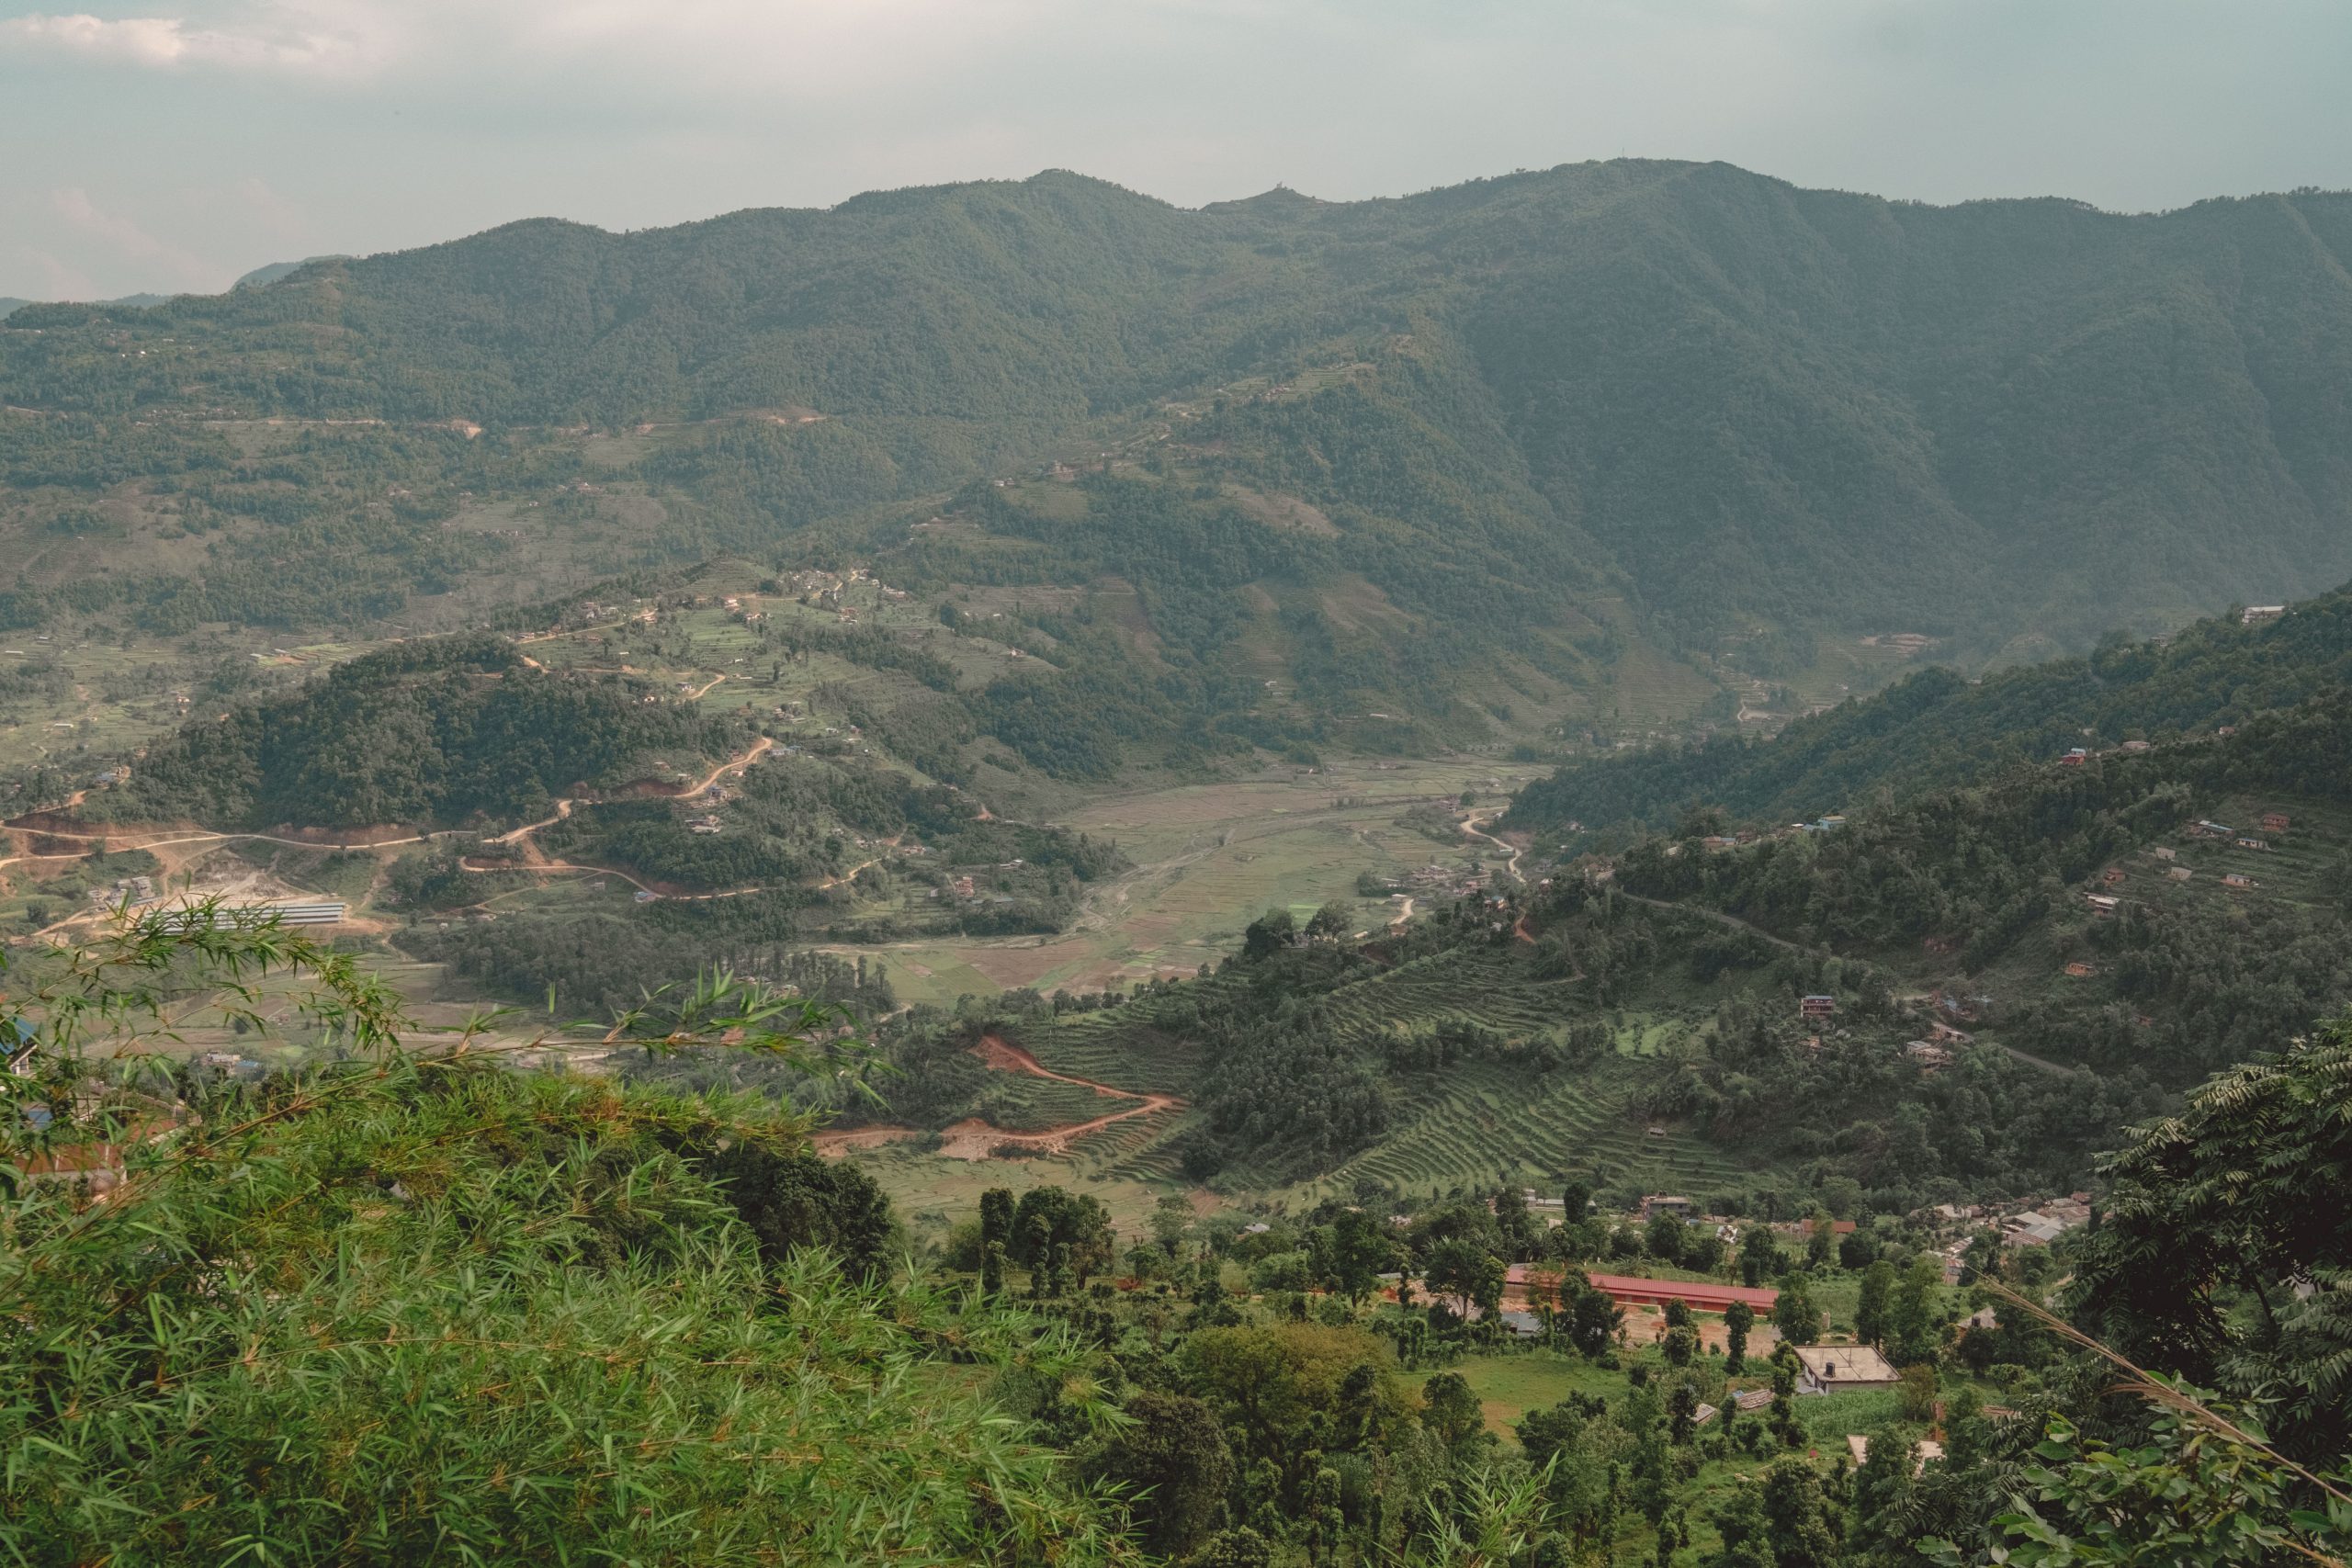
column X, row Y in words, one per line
column 416, row 1307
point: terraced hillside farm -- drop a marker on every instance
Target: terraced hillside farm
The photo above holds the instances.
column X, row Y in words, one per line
column 1468, row 1126
column 1482, row 1126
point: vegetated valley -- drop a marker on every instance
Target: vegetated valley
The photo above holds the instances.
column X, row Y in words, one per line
column 1503, row 877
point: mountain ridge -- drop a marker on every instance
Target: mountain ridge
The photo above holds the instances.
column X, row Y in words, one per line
column 1770, row 421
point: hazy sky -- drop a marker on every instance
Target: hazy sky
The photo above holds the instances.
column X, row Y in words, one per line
column 177, row 143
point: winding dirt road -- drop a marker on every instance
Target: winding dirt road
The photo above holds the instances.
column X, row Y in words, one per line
column 973, row 1139
column 1472, row 825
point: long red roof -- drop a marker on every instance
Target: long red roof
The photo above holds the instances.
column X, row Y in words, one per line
column 1694, row 1292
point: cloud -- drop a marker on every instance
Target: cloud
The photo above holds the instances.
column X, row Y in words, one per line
column 278, row 37
column 59, row 280
column 128, row 241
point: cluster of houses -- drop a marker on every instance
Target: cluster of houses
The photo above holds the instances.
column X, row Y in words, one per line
column 2032, row 1222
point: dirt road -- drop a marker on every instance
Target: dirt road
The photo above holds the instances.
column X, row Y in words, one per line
column 973, row 1139
column 1472, row 825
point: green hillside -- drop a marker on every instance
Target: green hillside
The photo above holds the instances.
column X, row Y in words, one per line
column 1591, row 445
column 2225, row 863
column 1936, row 731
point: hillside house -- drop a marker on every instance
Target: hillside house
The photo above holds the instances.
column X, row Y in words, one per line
column 1841, row 1369
column 2179, row 873
column 2238, row 879
column 2261, row 615
column 2113, row 877
column 2075, row 759
column 2256, row 844
column 2102, row 904
column 1944, row 1033
column 2030, row 1229
column 1817, row 1007
column 1663, row 1203
column 2276, row 821
column 1928, row 1054
column 2164, row 851
column 2136, row 746
column 2210, row 829
column 2079, row 970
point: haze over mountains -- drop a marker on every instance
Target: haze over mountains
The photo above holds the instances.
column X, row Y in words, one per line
column 1754, row 414
column 1008, row 699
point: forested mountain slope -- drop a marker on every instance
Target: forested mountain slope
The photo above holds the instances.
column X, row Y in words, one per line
column 2159, row 911
column 1761, row 416
column 1936, row 731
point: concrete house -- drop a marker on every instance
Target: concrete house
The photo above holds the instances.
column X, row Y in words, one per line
column 1836, row 1368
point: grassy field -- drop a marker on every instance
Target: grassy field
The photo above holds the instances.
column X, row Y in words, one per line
column 1208, row 859
column 932, row 1192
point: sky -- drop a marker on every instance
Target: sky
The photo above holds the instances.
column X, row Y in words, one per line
column 174, row 145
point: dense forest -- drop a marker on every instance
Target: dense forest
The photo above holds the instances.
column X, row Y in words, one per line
column 1988, row 874
column 1936, row 729
column 432, row 732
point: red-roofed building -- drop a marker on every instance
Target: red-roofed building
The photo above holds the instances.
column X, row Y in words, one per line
column 1699, row 1295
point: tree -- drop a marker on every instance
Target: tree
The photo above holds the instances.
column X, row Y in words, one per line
column 1056, row 1231
column 1453, row 1415
column 788, row 1202
column 1681, row 1345
column 1268, row 934
column 1513, row 1223
column 2199, row 1489
column 1780, row 1521
column 1575, row 1202
column 1467, row 1272
column 1682, row 1410
column 1794, row 1313
column 1877, row 1528
column 1784, row 1419
column 1738, row 1319
column 1172, row 1460
column 1269, row 1384
column 2226, row 1250
column 1360, row 1251
column 1759, row 1256
column 1911, row 1323
column 1873, row 1306
column 1663, row 1239
column 1330, row 922
column 1593, row 1317
column 995, row 1215
column 1171, row 1218
column 1914, row 1395
column 1821, row 1240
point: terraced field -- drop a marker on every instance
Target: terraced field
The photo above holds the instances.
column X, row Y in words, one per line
column 1135, row 1046
column 1021, row 1104
column 1487, row 1124
column 1495, row 987
column 1475, row 1125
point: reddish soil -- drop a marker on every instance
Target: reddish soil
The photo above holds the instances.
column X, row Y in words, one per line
column 974, row 1139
